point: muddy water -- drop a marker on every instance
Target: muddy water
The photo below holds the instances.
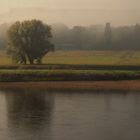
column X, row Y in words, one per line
column 28, row 114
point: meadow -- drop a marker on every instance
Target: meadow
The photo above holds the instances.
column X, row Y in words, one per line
column 94, row 58
column 74, row 66
column 85, row 58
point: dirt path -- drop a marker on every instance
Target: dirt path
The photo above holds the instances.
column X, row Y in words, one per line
column 81, row 85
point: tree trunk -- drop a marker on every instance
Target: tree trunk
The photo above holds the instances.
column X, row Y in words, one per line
column 31, row 60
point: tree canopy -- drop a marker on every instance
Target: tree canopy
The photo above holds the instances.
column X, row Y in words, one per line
column 29, row 40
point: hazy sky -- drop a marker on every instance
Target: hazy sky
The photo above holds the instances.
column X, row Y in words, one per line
column 117, row 12
column 92, row 4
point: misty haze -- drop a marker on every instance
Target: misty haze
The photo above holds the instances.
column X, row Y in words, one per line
column 72, row 17
column 69, row 69
column 74, row 12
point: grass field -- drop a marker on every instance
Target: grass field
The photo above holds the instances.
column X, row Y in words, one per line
column 94, row 57
column 66, row 75
column 74, row 66
column 85, row 58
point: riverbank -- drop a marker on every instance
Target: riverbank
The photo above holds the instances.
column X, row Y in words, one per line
column 75, row 85
column 70, row 67
column 67, row 75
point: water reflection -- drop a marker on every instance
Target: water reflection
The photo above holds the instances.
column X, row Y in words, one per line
column 29, row 113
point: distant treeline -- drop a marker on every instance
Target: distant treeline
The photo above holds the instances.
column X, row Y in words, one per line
column 3, row 35
column 97, row 37
column 93, row 37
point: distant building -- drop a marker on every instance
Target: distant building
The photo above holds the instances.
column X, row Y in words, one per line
column 108, row 34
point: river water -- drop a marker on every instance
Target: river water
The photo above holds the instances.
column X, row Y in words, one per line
column 29, row 114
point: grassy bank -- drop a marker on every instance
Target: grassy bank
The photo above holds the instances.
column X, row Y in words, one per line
column 74, row 66
column 70, row 67
column 66, row 75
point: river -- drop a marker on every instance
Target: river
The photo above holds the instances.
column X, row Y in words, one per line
column 30, row 114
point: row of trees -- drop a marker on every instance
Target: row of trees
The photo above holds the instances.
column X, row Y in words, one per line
column 96, row 37
column 31, row 40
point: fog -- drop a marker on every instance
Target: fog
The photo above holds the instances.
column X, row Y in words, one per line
column 92, row 4
column 72, row 12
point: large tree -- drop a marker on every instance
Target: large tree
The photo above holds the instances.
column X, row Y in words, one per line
column 29, row 40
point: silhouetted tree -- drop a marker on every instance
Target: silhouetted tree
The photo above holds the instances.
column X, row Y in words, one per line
column 29, row 40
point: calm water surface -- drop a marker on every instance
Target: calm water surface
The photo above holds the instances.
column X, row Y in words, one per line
column 28, row 114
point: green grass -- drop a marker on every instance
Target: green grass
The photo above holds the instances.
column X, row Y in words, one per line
column 94, row 57
column 71, row 59
column 68, row 72
column 86, row 58
column 66, row 75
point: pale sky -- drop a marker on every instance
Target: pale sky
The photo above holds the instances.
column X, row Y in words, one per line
column 91, row 4
column 72, row 12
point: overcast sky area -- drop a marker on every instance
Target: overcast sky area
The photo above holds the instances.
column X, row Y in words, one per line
column 92, row 4
column 118, row 5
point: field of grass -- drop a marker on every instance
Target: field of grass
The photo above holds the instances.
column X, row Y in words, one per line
column 94, row 58
column 85, row 58
column 66, row 75
column 74, row 66
column 51, row 72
